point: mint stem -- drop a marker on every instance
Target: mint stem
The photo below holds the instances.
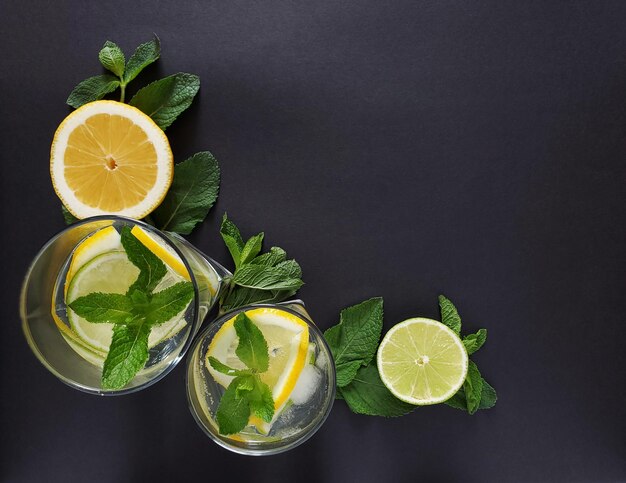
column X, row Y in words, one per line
column 123, row 92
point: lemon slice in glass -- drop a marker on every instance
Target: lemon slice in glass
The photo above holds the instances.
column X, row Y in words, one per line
column 422, row 361
column 287, row 339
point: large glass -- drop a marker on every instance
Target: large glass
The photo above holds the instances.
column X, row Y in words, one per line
column 68, row 352
column 304, row 408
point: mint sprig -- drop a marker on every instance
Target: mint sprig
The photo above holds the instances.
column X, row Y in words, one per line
column 133, row 314
column 195, row 185
column 246, row 394
column 258, row 278
column 476, row 393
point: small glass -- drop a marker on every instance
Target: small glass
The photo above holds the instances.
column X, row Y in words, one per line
column 57, row 346
column 296, row 423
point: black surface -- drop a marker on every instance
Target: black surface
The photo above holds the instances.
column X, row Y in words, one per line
column 400, row 149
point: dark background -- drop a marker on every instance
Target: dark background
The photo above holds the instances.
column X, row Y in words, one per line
column 401, row 149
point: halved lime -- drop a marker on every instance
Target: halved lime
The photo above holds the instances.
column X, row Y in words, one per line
column 422, row 361
column 112, row 272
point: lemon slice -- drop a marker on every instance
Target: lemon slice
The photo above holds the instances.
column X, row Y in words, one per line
column 161, row 250
column 422, row 361
column 112, row 272
column 287, row 339
column 110, row 158
column 102, row 241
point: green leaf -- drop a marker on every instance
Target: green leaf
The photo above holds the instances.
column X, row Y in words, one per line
column 251, row 249
column 224, row 369
column 252, row 348
column 127, row 355
column 356, row 343
column 488, row 396
column 232, row 238
column 103, row 307
column 261, row 401
column 233, row 410
column 272, row 258
column 67, row 216
column 193, row 192
column 268, row 278
column 367, row 394
column 92, row 89
column 473, row 342
column 168, row 302
column 245, row 385
column 164, row 100
column 112, row 58
column 151, row 268
column 144, row 55
column 346, row 371
column 473, row 387
column 449, row 314
column 333, row 337
column 291, row 267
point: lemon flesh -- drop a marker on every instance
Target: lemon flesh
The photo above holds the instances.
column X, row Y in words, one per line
column 422, row 361
column 110, row 158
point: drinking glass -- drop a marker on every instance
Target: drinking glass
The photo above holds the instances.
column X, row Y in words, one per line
column 57, row 346
column 300, row 418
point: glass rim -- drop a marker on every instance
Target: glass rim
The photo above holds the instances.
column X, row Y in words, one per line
column 332, row 380
column 70, row 382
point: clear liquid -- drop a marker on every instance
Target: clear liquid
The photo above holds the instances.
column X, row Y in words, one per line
column 160, row 355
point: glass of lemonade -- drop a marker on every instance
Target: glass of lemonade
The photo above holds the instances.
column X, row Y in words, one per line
column 88, row 257
column 300, row 376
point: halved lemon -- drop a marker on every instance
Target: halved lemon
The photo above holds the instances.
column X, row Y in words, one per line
column 422, row 361
column 287, row 339
column 110, row 158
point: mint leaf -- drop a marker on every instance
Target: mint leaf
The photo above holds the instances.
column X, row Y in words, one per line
column 261, row 401
column 67, row 216
column 193, row 192
column 168, row 302
column 164, row 100
column 112, row 58
column 275, row 256
column 346, row 371
column 233, row 410
column 367, row 394
column 473, row 342
column 240, row 296
column 92, row 89
column 488, row 396
column 473, row 387
column 245, row 385
column 268, row 278
column 356, row 343
column 251, row 249
column 449, row 314
column 144, row 55
column 333, row 337
column 151, row 268
column 291, row 268
column 252, row 348
column 232, row 238
column 103, row 307
column 127, row 355
column 224, row 369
